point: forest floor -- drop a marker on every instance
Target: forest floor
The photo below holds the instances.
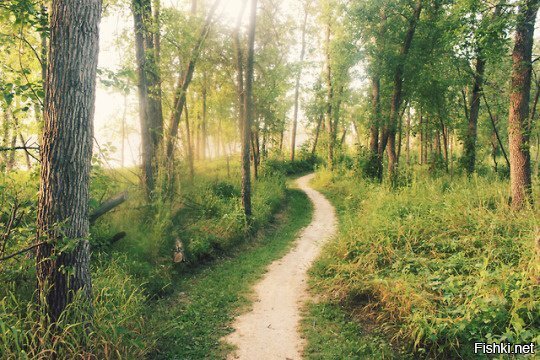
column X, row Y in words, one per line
column 271, row 329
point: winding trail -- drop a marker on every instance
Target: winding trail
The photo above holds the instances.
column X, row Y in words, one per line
column 270, row 329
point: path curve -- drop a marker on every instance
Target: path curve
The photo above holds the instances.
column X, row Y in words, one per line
column 270, row 330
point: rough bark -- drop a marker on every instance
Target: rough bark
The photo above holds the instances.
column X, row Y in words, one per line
column 518, row 122
column 66, row 155
column 297, row 86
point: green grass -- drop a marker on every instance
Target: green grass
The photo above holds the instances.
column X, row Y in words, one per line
column 333, row 334
column 436, row 265
column 190, row 324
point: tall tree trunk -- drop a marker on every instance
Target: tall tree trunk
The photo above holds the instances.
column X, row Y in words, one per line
column 66, row 155
column 184, row 82
column 297, row 85
column 317, row 132
column 329, row 98
column 375, row 161
column 469, row 145
column 397, row 93
column 189, row 144
column 204, row 133
column 139, row 8
column 249, row 112
column 518, row 122
column 408, row 138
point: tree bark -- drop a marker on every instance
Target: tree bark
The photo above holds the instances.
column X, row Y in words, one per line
column 297, row 85
column 66, row 155
column 518, row 122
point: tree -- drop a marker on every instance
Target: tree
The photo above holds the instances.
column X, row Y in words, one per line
column 63, row 263
column 397, row 92
column 248, row 112
column 519, row 127
column 297, row 85
column 149, row 87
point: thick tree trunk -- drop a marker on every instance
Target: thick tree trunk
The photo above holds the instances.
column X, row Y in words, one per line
column 66, row 155
column 297, row 86
column 397, row 93
column 518, row 122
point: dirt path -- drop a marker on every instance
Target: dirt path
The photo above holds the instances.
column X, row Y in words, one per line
column 270, row 330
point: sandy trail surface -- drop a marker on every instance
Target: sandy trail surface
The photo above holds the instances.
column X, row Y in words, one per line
column 270, row 329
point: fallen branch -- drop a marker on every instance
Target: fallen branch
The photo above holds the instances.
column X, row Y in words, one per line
column 107, row 206
column 117, row 237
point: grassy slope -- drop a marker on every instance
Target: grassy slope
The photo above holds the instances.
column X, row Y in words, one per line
column 189, row 325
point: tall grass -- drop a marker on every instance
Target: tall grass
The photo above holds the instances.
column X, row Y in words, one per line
column 439, row 264
column 129, row 275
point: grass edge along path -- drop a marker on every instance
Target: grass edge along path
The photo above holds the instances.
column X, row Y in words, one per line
column 190, row 324
column 328, row 327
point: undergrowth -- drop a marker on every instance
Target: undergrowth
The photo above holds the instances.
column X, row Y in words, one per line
column 437, row 264
column 129, row 275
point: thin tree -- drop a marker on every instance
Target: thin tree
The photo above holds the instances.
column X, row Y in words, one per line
column 249, row 112
column 63, row 221
column 519, row 127
column 398, row 89
column 297, row 85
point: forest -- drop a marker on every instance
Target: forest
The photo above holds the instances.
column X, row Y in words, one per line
column 261, row 179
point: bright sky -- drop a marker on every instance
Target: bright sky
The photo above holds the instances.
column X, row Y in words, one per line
column 110, row 106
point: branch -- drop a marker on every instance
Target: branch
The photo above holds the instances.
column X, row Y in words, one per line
column 25, row 148
column 20, row 252
column 496, row 131
column 107, row 206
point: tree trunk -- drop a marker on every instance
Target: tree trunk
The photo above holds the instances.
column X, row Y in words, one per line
column 518, row 122
column 397, row 93
column 297, row 86
column 329, row 98
column 375, row 161
column 248, row 112
column 408, row 138
column 184, row 82
column 189, row 144
column 469, row 145
column 139, row 8
column 66, row 155
column 317, row 132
